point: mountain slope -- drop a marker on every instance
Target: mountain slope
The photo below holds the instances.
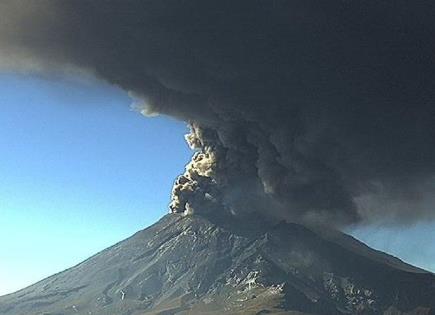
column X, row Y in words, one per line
column 198, row 265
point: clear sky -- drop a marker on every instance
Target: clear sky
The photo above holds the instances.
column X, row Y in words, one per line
column 80, row 171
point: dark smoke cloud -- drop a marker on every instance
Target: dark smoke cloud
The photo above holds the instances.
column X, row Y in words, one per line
column 308, row 110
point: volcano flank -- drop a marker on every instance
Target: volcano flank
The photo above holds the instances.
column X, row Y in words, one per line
column 196, row 264
column 318, row 113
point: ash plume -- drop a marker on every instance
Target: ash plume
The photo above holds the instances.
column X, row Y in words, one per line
column 306, row 110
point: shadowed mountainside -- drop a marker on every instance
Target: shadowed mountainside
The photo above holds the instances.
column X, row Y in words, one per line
column 199, row 265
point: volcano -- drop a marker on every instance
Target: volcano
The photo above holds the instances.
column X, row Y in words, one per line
column 198, row 264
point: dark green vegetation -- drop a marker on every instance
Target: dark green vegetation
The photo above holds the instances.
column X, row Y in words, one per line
column 197, row 265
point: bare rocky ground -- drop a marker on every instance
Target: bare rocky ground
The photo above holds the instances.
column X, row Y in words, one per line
column 200, row 265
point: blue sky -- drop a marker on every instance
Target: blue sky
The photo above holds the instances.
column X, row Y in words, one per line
column 414, row 244
column 80, row 171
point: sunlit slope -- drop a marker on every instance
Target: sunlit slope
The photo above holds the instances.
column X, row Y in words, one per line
column 196, row 265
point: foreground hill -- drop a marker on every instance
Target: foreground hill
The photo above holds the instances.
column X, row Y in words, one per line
column 196, row 265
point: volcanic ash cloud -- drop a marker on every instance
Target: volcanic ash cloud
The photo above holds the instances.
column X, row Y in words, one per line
column 300, row 110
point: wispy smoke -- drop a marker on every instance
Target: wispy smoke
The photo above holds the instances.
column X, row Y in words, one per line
column 299, row 109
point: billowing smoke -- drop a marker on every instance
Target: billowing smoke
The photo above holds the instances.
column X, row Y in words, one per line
column 306, row 110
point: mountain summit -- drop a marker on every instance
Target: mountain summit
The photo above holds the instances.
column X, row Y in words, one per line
column 199, row 265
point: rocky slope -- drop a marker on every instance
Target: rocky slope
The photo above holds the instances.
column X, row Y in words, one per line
column 198, row 265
